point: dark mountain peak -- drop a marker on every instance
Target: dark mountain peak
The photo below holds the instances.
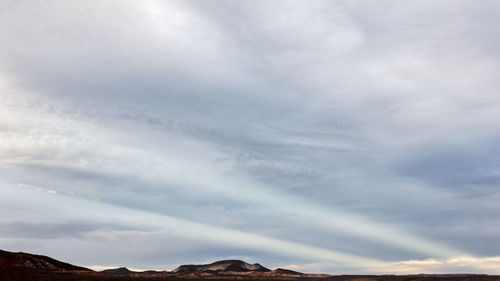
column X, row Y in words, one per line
column 118, row 271
column 286, row 271
column 37, row 262
column 123, row 271
column 185, row 269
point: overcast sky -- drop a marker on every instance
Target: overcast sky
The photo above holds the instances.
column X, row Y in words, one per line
column 321, row 136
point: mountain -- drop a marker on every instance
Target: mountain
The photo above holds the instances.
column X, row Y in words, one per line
column 37, row 262
column 121, row 271
column 29, row 267
column 284, row 272
column 225, row 266
column 219, row 269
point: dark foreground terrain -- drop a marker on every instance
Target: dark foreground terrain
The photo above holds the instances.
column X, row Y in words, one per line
column 23, row 266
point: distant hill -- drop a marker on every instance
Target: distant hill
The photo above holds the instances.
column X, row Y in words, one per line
column 227, row 266
column 282, row 271
column 121, row 271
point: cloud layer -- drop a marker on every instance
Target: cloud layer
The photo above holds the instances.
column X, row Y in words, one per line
column 337, row 136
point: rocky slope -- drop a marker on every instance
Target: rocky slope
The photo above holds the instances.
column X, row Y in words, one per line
column 37, row 262
column 225, row 266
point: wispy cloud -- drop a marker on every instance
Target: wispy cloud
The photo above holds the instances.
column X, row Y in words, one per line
column 484, row 265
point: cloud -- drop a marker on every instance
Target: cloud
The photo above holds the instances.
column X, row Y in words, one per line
column 122, row 161
column 185, row 228
column 368, row 130
column 455, row 265
column 483, row 265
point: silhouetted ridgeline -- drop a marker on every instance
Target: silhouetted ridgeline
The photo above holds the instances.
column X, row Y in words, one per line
column 24, row 267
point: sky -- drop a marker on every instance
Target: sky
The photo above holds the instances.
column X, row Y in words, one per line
column 321, row 136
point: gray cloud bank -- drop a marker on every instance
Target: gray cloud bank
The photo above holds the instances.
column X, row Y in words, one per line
column 348, row 133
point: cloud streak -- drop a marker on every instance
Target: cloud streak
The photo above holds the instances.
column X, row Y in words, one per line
column 187, row 173
column 93, row 211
